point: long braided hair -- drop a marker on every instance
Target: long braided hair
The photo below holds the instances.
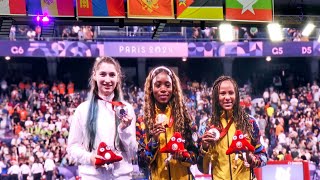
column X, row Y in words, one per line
column 240, row 117
column 182, row 119
column 91, row 125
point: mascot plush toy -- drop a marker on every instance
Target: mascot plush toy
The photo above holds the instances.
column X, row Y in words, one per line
column 239, row 145
column 175, row 145
column 107, row 154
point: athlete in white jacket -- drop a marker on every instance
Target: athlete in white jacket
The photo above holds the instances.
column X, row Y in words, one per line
column 95, row 121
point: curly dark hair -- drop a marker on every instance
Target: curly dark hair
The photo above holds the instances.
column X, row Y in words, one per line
column 182, row 119
column 240, row 117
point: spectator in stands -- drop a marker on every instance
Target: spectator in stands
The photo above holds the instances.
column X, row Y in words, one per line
column 12, row 34
column 49, row 167
column 88, row 33
column 164, row 102
column 297, row 36
column 95, row 121
column 81, row 34
column 25, row 170
column 22, row 30
column 31, row 34
column 196, row 32
column 38, row 32
column 3, row 168
column 14, row 171
column 70, row 87
column 229, row 116
column 135, row 30
column 4, row 87
column 65, row 33
column 37, row 169
column 74, row 33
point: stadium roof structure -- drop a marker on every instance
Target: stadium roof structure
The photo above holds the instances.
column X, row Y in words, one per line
column 297, row 7
column 297, row 12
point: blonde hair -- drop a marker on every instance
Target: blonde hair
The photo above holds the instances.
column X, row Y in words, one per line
column 91, row 125
column 93, row 84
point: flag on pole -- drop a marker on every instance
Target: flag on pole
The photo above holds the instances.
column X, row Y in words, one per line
column 249, row 10
column 13, row 7
column 150, row 9
column 199, row 9
column 55, row 8
column 100, row 8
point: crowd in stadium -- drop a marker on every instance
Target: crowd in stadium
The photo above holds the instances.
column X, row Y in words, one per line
column 89, row 33
column 35, row 119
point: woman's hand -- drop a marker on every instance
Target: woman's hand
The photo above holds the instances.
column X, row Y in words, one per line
column 178, row 156
column 207, row 139
column 249, row 157
column 125, row 122
column 93, row 159
column 157, row 130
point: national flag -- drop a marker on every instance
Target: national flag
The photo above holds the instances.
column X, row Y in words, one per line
column 53, row 8
column 13, row 7
column 249, row 10
column 100, row 8
column 150, row 9
column 199, row 9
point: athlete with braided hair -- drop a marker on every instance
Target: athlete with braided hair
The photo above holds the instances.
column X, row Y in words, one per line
column 227, row 117
column 164, row 114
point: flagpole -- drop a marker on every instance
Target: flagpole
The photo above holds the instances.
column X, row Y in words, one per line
column 272, row 10
column 77, row 11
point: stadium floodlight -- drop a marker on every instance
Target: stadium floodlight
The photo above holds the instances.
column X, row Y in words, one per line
column 226, row 32
column 275, row 32
column 45, row 19
column 268, row 58
column 308, row 29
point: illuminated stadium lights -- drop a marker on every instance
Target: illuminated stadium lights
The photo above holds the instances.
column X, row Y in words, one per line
column 275, row 32
column 184, row 59
column 268, row 58
column 7, row 58
column 44, row 18
column 226, row 32
column 308, row 29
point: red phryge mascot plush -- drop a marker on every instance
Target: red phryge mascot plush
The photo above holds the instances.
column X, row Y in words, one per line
column 175, row 145
column 107, row 154
column 239, row 145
